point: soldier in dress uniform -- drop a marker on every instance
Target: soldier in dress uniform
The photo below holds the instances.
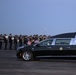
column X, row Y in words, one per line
column 1, row 41
column 15, row 41
column 5, row 38
column 10, row 41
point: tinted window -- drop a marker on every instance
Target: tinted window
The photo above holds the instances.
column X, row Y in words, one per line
column 62, row 41
column 46, row 43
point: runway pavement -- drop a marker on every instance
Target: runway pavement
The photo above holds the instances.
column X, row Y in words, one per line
column 10, row 65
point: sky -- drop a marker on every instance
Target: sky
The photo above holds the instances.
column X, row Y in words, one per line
column 42, row 17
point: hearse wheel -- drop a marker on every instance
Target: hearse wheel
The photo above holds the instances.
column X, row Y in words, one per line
column 27, row 56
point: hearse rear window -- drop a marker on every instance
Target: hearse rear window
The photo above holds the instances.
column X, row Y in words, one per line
column 62, row 41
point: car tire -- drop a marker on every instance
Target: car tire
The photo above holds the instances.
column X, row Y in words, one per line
column 27, row 56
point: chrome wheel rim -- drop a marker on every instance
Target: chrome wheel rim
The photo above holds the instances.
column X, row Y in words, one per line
column 26, row 56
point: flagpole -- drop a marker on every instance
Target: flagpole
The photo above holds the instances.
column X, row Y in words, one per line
column 45, row 30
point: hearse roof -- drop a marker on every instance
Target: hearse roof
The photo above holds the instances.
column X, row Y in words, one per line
column 65, row 35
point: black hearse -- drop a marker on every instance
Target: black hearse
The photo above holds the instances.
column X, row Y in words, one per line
column 58, row 45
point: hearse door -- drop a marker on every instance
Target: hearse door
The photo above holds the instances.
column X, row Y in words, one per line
column 43, row 48
column 58, row 50
column 61, row 47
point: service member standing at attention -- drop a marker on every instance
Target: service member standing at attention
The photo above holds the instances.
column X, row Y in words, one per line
column 20, row 40
column 1, row 41
column 10, row 41
column 15, row 41
column 5, row 38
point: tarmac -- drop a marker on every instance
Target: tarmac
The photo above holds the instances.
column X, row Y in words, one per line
column 11, row 65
